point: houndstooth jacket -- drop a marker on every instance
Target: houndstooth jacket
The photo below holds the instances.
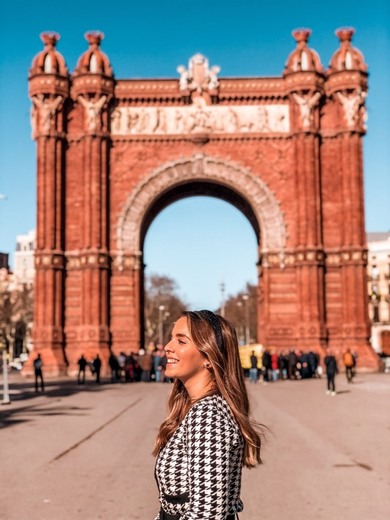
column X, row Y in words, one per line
column 198, row 471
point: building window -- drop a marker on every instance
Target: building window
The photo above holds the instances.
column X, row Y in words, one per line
column 93, row 63
column 47, row 64
column 374, row 273
column 375, row 318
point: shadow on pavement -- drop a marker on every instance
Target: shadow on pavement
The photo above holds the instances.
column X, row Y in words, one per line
column 14, row 413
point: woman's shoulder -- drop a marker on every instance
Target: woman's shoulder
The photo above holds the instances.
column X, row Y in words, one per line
column 212, row 413
column 214, row 405
column 210, row 401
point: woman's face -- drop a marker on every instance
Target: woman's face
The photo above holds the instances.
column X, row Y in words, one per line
column 184, row 361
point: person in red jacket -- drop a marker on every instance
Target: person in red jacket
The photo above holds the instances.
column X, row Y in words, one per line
column 275, row 366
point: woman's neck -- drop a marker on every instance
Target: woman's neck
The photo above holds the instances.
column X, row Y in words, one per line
column 197, row 389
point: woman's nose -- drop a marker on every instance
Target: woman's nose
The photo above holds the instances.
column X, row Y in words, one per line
column 168, row 346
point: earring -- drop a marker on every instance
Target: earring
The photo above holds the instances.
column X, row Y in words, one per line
column 207, row 365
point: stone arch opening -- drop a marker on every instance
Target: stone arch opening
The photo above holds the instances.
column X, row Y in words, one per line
column 201, row 174
column 199, row 188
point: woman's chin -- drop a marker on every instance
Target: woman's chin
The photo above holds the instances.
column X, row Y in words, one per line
column 170, row 372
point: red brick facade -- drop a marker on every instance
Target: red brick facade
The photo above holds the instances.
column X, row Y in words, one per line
column 287, row 151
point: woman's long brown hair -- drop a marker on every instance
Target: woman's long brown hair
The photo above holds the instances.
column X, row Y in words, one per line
column 223, row 356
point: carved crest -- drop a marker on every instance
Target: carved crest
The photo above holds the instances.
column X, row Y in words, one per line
column 199, row 76
column 354, row 109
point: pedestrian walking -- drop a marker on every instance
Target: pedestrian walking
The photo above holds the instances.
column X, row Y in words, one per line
column 122, row 366
column 208, row 435
column 349, row 363
column 292, row 364
column 274, row 366
column 157, row 356
column 97, row 365
column 253, row 369
column 331, row 371
column 162, row 367
column 266, row 362
column 146, row 363
column 113, row 363
column 82, row 363
column 312, row 363
column 38, row 373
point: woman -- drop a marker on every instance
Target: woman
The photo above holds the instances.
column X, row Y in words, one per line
column 207, row 436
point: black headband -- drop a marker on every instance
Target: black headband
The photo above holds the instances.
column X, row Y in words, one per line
column 213, row 319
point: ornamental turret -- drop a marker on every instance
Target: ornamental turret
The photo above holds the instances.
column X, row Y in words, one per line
column 347, row 57
column 48, row 87
column 93, row 74
column 304, row 80
column 303, row 59
column 93, row 85
column 347, row 82
column 49, row 61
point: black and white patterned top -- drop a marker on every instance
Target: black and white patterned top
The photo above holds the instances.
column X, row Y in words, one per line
column 198, row 472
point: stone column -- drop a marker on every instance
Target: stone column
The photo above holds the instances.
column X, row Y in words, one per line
column 346, row 91
column 93, row 336
column 49, row 91
column 305, row 92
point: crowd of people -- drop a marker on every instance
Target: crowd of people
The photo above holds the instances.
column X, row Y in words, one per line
column 300, row 365
column 150, row 365
column 272, row 366
column 144, row 365
column 288, row 365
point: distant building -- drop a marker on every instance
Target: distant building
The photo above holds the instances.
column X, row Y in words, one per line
column 4, row 257
column 24, row 268
column 379, row 290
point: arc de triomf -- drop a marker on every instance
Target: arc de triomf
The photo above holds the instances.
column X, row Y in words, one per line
column 112, row 153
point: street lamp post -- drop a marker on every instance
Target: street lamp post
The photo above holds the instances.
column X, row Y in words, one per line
column 6, row 399
column 222, row 299
column 161, row 310
column 241, row 335
column 245, row 297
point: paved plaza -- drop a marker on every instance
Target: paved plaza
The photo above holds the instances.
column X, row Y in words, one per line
column 84, row 452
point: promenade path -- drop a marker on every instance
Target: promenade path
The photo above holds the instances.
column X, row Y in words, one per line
column 83, row 452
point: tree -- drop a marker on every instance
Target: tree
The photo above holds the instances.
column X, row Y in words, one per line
column 16, row 312
column 162, row 306
column 242, row 312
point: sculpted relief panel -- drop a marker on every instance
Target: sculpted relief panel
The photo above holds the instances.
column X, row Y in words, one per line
column 200, row 118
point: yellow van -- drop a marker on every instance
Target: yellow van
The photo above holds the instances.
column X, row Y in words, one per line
column 246, row 352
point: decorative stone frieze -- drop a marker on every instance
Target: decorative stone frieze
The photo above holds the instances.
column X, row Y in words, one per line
column 292, row 259
column 49, row 260
column 200, row 118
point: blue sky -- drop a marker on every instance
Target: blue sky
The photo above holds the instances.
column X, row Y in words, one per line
column 149, row 39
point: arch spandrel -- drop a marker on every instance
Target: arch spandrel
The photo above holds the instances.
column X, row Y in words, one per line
column 202, row 168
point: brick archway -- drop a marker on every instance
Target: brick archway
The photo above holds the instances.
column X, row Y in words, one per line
column 286, row 150
column 200, row 167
